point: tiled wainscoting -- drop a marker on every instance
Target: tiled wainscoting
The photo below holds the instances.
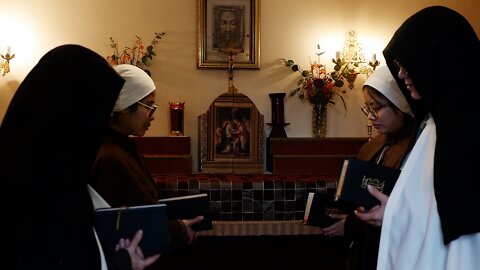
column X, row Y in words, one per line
column 257, row 223
column 258, row 197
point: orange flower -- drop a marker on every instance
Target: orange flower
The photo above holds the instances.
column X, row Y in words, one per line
column 136, row 55
column 317, row 86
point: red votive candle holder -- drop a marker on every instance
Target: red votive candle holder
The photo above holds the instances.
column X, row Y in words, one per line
column 176, row 118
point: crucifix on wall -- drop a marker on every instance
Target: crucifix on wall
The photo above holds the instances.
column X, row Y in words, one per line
column 231, row 138
column 231, row 52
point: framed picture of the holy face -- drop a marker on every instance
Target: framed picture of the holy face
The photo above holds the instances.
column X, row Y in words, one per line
column 225, row 25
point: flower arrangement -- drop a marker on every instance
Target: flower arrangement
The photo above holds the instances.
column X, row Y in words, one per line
column 136, row 55
column 317, row 86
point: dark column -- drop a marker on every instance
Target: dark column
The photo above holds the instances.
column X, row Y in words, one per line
column 277, row 124
column 278, row 117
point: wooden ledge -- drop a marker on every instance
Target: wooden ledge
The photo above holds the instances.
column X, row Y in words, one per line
column 257, row 228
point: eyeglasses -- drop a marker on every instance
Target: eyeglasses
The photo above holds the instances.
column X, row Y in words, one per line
column 151, row 108
column 373, row 111
column 397, row 63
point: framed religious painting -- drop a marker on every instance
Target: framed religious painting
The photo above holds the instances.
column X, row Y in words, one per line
column 228, row 25
column 232, row 130
column 231, row 136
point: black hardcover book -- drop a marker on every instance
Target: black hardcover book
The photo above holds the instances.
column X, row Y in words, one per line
column 111, row 224
column 357, row 174
column 188, row 207
column 320, row 205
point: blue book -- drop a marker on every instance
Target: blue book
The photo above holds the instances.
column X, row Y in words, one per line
column 111, row 224
column 188, row 207
column 357, row 174
column 320, row 205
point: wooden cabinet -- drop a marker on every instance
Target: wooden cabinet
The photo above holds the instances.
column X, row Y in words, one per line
column 166, row 155
column 311, row 155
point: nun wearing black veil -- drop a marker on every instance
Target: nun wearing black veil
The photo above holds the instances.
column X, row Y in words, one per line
column 49, row 138
column 432, row 217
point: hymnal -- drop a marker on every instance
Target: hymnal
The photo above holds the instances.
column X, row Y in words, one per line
column 320, row 205
column 188, row 207
column 111, row 224
column 356, row 174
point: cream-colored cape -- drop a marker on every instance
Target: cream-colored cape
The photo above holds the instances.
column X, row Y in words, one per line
column 411, row 233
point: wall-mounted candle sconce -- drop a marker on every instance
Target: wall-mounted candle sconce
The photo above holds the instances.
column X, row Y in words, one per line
column 5, row 61
column 350, row 62
column 176, row 118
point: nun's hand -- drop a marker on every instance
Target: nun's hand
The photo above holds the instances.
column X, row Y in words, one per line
column 337, row 228
column 373, row 216
column 139, row 262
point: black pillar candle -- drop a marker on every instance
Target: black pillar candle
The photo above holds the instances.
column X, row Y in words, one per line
column 278, row 116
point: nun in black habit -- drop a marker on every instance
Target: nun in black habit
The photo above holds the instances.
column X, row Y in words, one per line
column 49, row 138
column 432, row 218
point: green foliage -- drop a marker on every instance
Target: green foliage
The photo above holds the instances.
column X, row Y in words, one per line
column 137, row 55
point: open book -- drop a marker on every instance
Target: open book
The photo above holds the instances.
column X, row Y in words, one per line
column 111, row 224
column 188, row 207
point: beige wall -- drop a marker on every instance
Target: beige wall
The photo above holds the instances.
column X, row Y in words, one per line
column 289, row 29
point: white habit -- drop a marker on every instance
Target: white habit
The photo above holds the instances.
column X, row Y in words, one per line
column 411, row 233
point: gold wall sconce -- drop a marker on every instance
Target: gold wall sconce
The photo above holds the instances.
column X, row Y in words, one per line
column 350, row 62
column 5, row 61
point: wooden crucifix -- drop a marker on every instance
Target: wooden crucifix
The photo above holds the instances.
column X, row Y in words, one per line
column 231, row 52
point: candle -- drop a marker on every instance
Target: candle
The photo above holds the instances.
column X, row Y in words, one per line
column 374, row 58
column 176, row 118
column 277, row 112
column 337, row 55
column 8, row 49
column 278, row 116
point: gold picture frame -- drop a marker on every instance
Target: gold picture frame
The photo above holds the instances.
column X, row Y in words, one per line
column 224, row 25
column 225, row 151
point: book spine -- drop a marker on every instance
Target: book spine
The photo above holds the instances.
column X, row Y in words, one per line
column 341, row 180
column 308, row 206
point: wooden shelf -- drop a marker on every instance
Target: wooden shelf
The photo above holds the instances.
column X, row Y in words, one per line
column 311, row 155
column 166, row 155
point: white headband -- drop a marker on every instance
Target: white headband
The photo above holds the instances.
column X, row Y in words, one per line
column 137, row 86
column 384, row 82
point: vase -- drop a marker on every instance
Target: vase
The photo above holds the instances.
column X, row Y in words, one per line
column 319, row 121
